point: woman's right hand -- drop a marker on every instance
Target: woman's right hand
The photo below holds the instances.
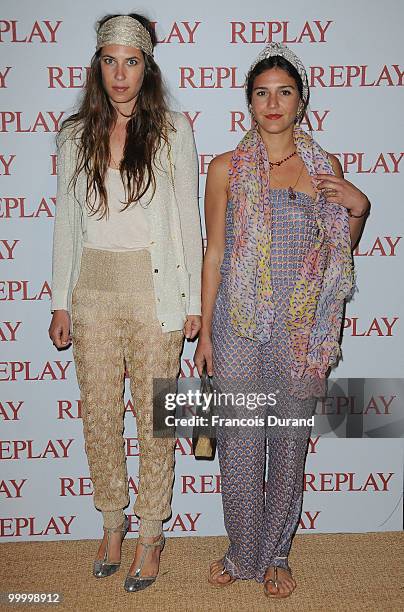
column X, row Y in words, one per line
column 59, row 329
column 203, row 354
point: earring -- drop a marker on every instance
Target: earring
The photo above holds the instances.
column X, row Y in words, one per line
column 300, row 113
column 253, row 120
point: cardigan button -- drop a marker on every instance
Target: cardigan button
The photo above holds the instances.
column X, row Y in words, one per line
column 155, row 271
column 163, row 323
column 182, row 294
column 178, row 266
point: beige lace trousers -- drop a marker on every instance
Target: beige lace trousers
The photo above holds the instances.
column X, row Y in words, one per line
column 115, row 326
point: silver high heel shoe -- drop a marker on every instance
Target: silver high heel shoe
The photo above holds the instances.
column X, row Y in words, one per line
column 102, row 568
column 137, row 582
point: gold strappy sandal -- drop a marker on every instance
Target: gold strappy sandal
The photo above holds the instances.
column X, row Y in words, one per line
column 220, row 585
column 274, row 581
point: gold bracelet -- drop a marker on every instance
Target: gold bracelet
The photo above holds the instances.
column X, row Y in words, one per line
column 359, row 216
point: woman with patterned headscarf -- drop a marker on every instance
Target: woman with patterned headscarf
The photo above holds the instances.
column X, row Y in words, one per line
column 281, row 225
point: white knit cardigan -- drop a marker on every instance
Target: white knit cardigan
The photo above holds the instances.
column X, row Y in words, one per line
column 173, row 217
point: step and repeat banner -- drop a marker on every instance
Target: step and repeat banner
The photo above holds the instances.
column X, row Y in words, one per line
column 352, row 51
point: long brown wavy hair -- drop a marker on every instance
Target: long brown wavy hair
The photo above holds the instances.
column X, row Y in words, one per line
column 146, row 130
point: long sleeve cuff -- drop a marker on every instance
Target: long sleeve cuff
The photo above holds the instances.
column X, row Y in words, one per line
column 195, row 306
column 59, row 300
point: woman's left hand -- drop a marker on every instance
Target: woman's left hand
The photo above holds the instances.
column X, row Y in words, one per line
column 192, row 326
column 340, row 191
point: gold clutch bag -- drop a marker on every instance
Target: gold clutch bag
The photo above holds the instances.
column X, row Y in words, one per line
column 204, row 437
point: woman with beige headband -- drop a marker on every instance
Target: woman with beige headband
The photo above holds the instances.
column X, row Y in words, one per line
column 281, row 222
column 126, row 275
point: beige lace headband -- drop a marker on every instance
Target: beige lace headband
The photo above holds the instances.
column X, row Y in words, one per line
column 124, row 30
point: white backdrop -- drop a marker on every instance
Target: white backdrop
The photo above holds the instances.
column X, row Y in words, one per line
column 353, row 54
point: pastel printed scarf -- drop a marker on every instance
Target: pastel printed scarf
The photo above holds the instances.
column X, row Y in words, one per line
column 326, row 277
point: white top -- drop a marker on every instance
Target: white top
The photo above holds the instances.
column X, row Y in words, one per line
column 121, row 230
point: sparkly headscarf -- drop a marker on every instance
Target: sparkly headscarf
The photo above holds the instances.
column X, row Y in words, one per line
column 325, row 279
column 124, row 30
column 283, row 51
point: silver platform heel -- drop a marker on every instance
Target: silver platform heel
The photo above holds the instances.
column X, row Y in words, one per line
column 137, row 582
column 102, row 568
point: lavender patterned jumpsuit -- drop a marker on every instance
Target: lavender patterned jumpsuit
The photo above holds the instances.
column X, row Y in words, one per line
column 261, row 519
